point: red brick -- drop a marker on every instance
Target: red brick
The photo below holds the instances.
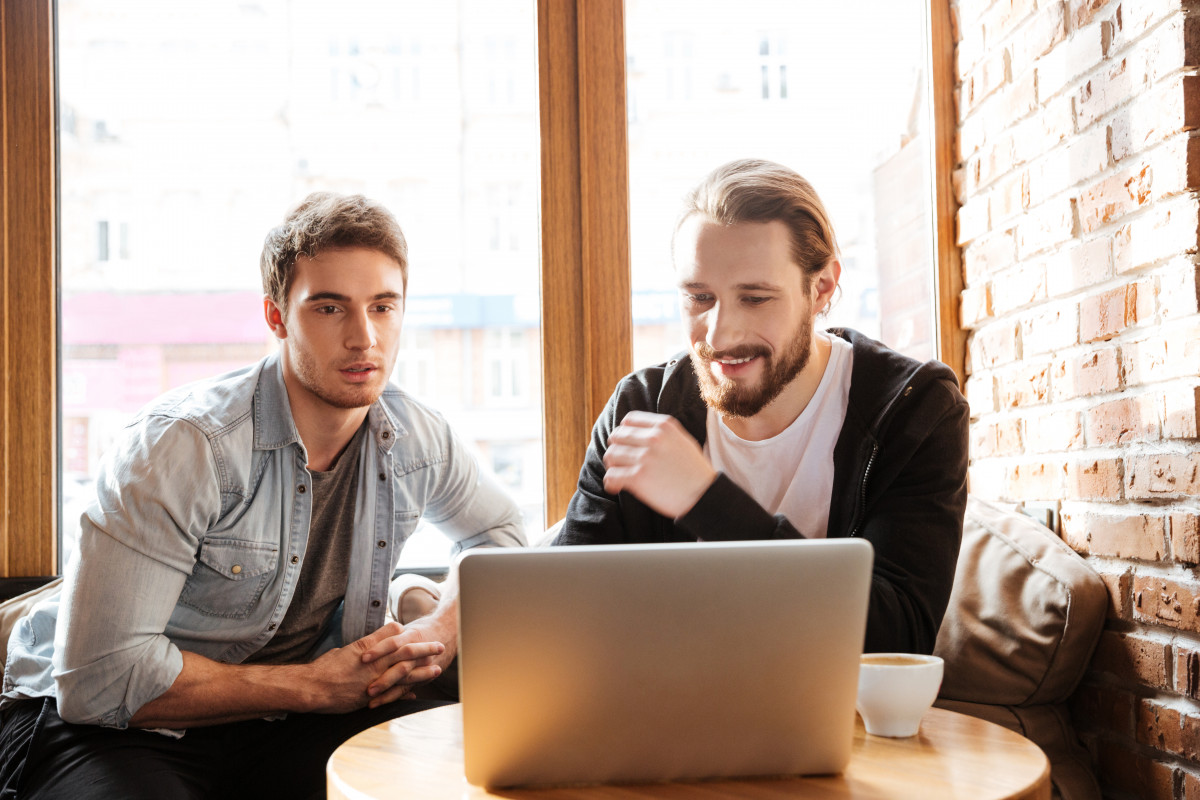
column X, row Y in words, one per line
column 1104, row 315
column 1129, row 419
column 1164, row 51
column 1082, row 12
column 1180, row 409
column 970, row 46
column 1097, row 372
column 1133, row 659
column 976, row 305
column 973, row 219
column 1161, row 112
column 1191, row 787
column 1054, row 432
column 981, row 394
column 1009, row 198
column 1020, row 98
column 1046, row 226
column 1138, row 537
column 1039, row 36
column 1024, row 385
column 1003, row 17
column 1174, row 353
column 996, row 439
column 1094, row 479
column 1162, row 476
column 1141, row 777
column 995, row 344
column 1178, row 294
column 1034, row 480
column 1034, row 137
column 1134, row 17
column 1050, row 329
column 1164, row 231
column 1187, row 671
column 1114, row 197
column 988, row 76
column 1104, row 91
column 1163, row 728
column 1020, row 286
column 1103, row 708
column 1168, row 729
column 1164, row 601
column 1185, row 537
column 987, row 256
column 1079, row 161
column 1120, row 603
column 1079, row 267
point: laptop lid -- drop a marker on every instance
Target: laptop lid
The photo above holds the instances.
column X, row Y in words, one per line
column 631, row 663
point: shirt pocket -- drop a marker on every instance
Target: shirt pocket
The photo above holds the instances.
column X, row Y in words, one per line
column 229, row 577
column 405, row 522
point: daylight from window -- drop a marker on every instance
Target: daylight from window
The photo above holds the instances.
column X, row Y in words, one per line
column 188, row 129
column 837, row 92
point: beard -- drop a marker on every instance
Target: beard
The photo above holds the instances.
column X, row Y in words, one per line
column 317, row 382
column 732, row 399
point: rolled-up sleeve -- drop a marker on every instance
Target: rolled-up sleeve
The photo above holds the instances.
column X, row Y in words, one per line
column 138, row 542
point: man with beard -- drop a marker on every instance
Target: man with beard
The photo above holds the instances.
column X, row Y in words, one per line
column 222, row 630
column 771, row 429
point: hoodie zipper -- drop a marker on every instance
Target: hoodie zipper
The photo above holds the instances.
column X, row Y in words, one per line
column 862, row 496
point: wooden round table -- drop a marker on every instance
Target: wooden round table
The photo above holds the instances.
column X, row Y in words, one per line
column 954, row 756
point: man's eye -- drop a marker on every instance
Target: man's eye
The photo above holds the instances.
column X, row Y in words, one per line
column 756, row 301
column 383, row 309
column 327, row 309
column 699, row 299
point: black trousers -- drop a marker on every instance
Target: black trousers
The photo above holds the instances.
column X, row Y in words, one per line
column 43, row 757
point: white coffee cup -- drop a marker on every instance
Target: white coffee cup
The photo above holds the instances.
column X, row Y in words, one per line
column 895, row 690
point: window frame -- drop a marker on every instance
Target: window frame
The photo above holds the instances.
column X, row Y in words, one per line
column 586, row 291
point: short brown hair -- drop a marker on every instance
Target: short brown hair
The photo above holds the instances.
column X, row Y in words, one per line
column 753, row 190
column 328, row 221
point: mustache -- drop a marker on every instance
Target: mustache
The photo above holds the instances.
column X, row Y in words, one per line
column 705, row 351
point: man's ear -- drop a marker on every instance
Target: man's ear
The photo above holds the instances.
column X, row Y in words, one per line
column 825, row 284
column 275, row 318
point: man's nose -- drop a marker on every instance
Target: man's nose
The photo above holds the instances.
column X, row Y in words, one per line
column 360, row 333
column 724, row 328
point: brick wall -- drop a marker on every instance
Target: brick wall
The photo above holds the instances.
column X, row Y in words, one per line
column 1076, row 178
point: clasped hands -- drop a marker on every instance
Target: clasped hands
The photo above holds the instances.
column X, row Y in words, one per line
column 379, row 668
column 653, row 458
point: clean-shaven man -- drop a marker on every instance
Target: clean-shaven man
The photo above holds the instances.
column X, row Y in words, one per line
column 222, row 628
column 771, row 428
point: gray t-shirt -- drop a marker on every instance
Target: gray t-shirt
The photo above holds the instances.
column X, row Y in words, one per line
column 326, row 569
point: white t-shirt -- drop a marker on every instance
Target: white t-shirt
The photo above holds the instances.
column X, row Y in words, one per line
column 792, row 473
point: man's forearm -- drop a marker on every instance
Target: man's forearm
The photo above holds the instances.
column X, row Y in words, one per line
column 208, row 692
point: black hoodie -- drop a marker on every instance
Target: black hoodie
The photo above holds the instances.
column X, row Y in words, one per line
column 900, row 482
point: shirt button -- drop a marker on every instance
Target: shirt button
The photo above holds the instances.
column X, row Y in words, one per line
column 374, row 604
column 301, row 488
column 382, row 543
column 386, row 434
column 295, row 559
column 382, row 476
column 236, row 569
column 271, row 627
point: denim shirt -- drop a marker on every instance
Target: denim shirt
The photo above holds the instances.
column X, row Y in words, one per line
column 197, row 536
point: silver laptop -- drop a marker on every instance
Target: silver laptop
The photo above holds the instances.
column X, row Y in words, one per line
column 635, row 663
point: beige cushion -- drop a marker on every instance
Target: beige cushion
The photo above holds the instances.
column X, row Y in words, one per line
column 12, row 610
column 1024, row 615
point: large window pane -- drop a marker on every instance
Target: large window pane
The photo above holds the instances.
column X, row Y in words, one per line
column 189, row 128
column 835, row 91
